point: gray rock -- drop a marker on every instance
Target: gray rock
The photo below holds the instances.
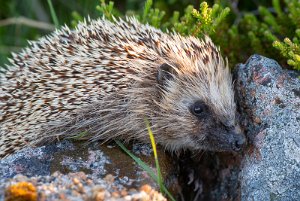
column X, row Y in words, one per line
column 269, row 99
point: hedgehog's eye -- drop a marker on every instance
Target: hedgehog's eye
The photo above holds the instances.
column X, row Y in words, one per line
column 198, row 108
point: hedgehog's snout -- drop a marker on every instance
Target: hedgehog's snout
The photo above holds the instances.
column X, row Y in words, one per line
column 238, row 142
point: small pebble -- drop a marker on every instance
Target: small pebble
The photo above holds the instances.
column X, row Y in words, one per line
column 76, row 181
column 109, row 178
column 257, row 120
column 146, row 188
column 124, row 192
column 115, row 194
column 100, row 196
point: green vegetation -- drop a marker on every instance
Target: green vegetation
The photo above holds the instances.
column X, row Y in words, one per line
column 273, row 32
column 270, row 28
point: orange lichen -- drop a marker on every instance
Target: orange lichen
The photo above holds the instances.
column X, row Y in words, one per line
column 22, row 191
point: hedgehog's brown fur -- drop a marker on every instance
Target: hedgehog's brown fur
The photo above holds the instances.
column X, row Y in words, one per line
column 104, row 78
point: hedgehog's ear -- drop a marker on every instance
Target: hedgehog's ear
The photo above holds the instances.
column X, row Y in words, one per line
column 165, row 72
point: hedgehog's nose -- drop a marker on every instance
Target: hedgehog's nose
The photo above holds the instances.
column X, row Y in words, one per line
column 239, row 143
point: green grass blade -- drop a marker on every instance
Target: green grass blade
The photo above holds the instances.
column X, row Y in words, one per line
column 53, row 14
column 159, row 176
column 145, row 167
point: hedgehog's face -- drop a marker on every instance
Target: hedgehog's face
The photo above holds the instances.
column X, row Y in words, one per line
column 213, row 132
column 202, row 113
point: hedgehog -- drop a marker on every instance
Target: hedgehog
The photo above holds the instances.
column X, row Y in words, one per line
column 104, row 78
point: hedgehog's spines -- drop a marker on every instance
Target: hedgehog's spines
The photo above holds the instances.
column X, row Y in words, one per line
column 102, row 77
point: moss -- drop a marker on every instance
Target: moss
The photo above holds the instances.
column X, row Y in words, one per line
column 22, row 191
